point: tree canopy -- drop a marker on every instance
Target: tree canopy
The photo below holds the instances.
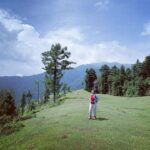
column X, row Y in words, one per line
column 55, row 61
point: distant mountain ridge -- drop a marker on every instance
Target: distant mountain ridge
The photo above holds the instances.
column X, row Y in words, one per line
column 74, row 78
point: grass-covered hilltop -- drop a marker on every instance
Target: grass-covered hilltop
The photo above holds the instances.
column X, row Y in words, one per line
column 122, row 123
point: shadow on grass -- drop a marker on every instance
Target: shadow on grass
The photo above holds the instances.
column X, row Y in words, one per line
column 101, row 119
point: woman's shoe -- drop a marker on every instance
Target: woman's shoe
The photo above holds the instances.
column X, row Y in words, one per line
column 90, row 118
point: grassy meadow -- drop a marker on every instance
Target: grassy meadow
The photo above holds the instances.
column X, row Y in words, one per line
column 123, row 123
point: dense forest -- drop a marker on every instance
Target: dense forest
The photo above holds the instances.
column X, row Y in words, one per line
column 134, row 81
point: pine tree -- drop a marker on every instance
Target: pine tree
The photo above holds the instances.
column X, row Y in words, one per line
column 64, row 88
column 128, row 87
column 55, row 61
column 31, row 106
column 113, row 80
column 23, row 102
column 146, row 67
column 128, row 74
column 29, row 96
column 10, row 108
column 140, row 87
column 69, row 89
column 46, row 95
column 147, row 84
column 90, row 78
column 2, row 99
column 37, row 84
column 47, row 88
column 7, row 103
column 104, row 82
column 122, row 80
column 137, row 69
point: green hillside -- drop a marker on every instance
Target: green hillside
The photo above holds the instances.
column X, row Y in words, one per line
column 122, row 124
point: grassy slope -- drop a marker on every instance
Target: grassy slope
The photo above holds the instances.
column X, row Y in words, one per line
column 123, row 123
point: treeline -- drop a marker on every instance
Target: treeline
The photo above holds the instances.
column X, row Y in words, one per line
column 12, row 113
column 134, row 81
column 26, row 105
column 8, row 107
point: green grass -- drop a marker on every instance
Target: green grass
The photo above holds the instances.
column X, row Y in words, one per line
column 122, row 124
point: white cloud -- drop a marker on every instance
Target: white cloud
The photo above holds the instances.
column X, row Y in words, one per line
column 21, row 46
column 102, row 4
column 9, row 22
column 25, row 46
column 70, row 34
column 110, row 51
column 146, row 29
column 82, row 53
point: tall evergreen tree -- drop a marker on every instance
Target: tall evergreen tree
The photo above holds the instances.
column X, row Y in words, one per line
column 128, row 74
column 23, row 102
column 122, row 80
column 37, row 84
column 104, row 82
column 147, row 84
column 2, row 101
column 129, row 84
column 113, row 80
column 7, row 103
column 90, row 79
column 140, row 87
column 47, row 88
column 137, row 70
column 29, row 96
column 55, row 61
column 146, row 67
column 10, row 105
column 64, row 88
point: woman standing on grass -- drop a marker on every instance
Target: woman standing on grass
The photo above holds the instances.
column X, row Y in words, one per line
column 93, row 103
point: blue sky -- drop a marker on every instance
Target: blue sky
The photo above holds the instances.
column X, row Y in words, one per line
column 93, row 30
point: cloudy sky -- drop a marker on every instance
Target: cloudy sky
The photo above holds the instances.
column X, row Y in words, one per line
column 93, row 30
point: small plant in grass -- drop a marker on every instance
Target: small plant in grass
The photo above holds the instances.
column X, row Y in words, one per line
column 29, row 116
column 10, row 127
column 31, row 106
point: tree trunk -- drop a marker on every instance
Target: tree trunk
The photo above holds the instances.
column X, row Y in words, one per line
column 38, row 92
column 54, row 94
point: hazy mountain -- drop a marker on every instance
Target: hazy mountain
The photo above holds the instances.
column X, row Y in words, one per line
column 74, row 78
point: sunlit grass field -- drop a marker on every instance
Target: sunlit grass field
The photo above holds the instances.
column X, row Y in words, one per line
column 122, row 124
